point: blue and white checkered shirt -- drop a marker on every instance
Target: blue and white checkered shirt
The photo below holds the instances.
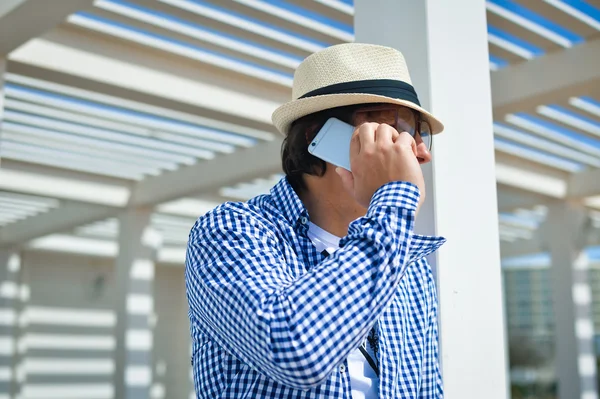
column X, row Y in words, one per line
column 271, row 317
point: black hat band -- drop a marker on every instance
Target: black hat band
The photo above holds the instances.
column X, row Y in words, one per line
column 381, row 87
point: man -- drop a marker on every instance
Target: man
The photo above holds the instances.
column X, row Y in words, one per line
column 320, row 289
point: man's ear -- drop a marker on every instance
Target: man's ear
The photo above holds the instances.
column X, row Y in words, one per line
column 310, row 132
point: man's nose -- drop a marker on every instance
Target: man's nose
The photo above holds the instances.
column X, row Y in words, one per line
column 423, row 153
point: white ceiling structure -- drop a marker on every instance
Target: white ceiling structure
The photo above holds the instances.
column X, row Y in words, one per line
column 111, row 104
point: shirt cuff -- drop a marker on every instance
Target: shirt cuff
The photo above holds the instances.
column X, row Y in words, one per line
column 397, row 194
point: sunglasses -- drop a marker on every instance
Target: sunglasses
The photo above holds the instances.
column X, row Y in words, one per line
column 402, row 119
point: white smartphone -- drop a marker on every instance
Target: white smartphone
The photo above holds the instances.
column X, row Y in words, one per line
column 332, row 143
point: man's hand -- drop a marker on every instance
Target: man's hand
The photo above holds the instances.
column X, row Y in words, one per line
column 379, row 155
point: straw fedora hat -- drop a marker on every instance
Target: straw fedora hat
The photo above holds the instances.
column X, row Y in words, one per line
column 349, row 74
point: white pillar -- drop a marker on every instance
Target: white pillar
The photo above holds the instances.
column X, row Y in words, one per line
column 2, row 74
column 2, row 80
column 572, row 300
column 138, row 244
column 14, row 295
column 10, row 264
column 21, row 330
column 446, row 49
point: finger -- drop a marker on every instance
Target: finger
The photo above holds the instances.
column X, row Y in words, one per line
column 395, row 135
column 406, row 139
column 383, row 135
column 354, row 144
column 366, row 135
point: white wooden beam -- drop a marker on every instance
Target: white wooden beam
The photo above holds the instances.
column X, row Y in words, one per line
column 541, row 181
column 103, row 200
column 261, row 32
column 88, row 90
column 127, row 67
column 584, row 184
column 8, row 6
column 522, row 247
column 511, row 198
column 243, row 165
column 69, row 215
column 68, row 243
column 23, row 20
column 528, row 176
column 338, row 5
column 541, row 240
column 299, row 19
column 544, row 80
column 64, row 188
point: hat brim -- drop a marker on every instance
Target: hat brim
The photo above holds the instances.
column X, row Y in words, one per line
column 286, row 114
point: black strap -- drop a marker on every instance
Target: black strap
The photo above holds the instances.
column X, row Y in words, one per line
column 368, row 357
column 372, row 362
column 382, row 87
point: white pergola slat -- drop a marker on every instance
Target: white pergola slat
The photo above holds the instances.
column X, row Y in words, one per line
column 256, row 27
column 301, row 19
column 92, row 65
column 197, row 32
column 20, row 20
column 120, row 109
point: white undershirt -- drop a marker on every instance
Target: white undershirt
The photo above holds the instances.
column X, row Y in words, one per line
column 364, row 382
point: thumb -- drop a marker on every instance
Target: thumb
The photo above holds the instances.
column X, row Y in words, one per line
column 347, row 179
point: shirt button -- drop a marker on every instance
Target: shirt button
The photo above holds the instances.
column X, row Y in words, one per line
column 303, row 220
column 343, row 368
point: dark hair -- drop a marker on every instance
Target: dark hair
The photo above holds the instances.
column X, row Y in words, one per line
column 295, row 158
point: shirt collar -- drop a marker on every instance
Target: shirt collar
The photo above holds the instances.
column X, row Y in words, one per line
column 288, row 203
